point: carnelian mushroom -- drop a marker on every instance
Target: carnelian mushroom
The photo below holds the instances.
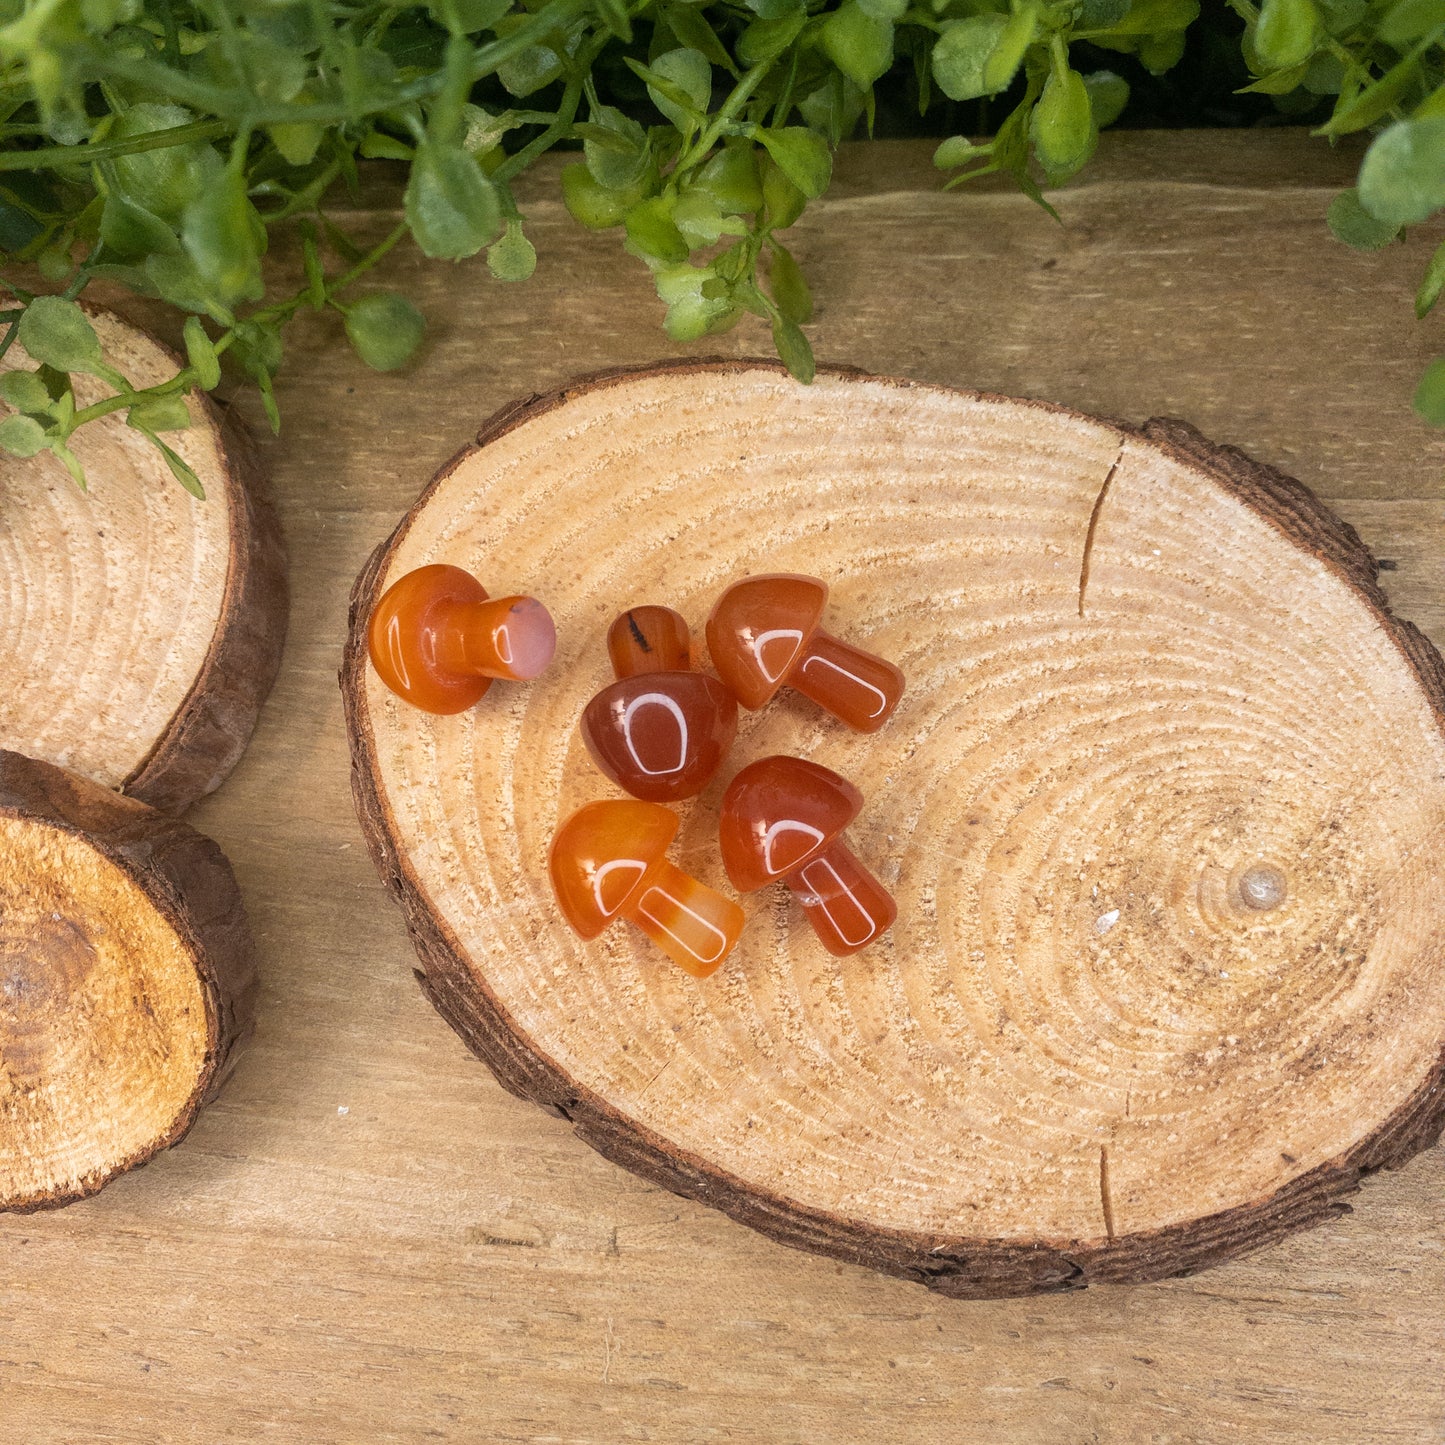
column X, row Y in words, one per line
column 608, row 861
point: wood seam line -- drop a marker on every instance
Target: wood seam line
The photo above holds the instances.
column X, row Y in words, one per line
column 1094, row 527
column 1105, row 1198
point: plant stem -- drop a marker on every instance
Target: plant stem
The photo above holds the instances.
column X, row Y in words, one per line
column 49, row 157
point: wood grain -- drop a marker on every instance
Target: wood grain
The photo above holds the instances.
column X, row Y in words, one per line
column 143, row 627
column 127, row 982
column 444, row 1262
column 1142, row 669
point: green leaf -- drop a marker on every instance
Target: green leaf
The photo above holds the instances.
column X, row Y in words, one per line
column 592, row 205
column 201, row 354
column 789, row 286
column 224, row 238
column 385, row 329
column 687, row 94
column 315, row 276
column 615, row 19
column 782, row 200
column 1143, row 17
column 1286, row 33
column 700, row 220
column 689, row 25
column 512, row 257
column 176, row 280
column 376, row 145
column 25, row 391
column 891, row 11
column 71, row 463
column 1277, row 82
column 692, row 312
column 180, row 468
column 1373, row 101
column 773, row 9
column 130, row 232
column 1432, row 105
column 297, row 143
column 57, row 332
column 451, row 206
column 1430, row 394
column 615, row 147
column 958, row 150
column 1063, row 129
column 1402, row 178
column 163, row 181
column 159, row 413
column 22, row 436
column 268, row 402
column 731, row 179
column 483, row 131
column 859, row 44
column 803, row 156
column 1008, row 53
column 1432, row 284
column 466, row 17
column 651, row 233
column 1159, row 54
column 1108, row 95
column 1355, row 226
column 767, row 39
column 962, row 52
column 1408, row 20
column 833, row 108
column 793, row 349
column 529, row 70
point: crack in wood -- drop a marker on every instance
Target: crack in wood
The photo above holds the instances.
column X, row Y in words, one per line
column 1105, row 1197
column 1094, row 527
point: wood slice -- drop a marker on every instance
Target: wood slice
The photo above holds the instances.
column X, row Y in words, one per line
column 1162, row 809
column 144, row 626
column 127, row 982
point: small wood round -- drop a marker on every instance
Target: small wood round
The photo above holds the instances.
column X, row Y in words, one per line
column 1152, row 686
column 127, row 982
column 140, row 628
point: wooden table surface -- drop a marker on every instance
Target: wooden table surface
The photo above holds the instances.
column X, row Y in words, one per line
column 366, row 1240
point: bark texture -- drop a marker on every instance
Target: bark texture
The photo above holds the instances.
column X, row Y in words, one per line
column 127, row 982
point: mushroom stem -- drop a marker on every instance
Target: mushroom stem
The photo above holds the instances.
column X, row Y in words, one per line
column 857, row 687
column 508, row 637
column 847, row 906
column 693, row 924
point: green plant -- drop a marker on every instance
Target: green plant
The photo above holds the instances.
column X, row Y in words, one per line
column 159, row 144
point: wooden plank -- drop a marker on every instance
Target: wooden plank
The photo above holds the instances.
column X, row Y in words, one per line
column 443, row 1261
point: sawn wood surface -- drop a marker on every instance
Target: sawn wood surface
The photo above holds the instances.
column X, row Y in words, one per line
column 366, row 1239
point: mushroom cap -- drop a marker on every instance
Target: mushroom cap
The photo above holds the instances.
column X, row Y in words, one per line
column 661, row 736
column 778, row 814
column 649, row 638
column 602, row 855
column 758, row 630
column 402, row 638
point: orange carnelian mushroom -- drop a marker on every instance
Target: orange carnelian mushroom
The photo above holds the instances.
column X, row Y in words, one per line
column 659, row 732
column 784, row 818
column 437, row 640
column 608, row 861
column 765, row 632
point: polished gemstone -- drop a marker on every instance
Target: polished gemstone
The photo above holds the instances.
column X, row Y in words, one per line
column 661, row 735
column 765, row 633
column 437, row 640
column 783, row 818
column 609, row 861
